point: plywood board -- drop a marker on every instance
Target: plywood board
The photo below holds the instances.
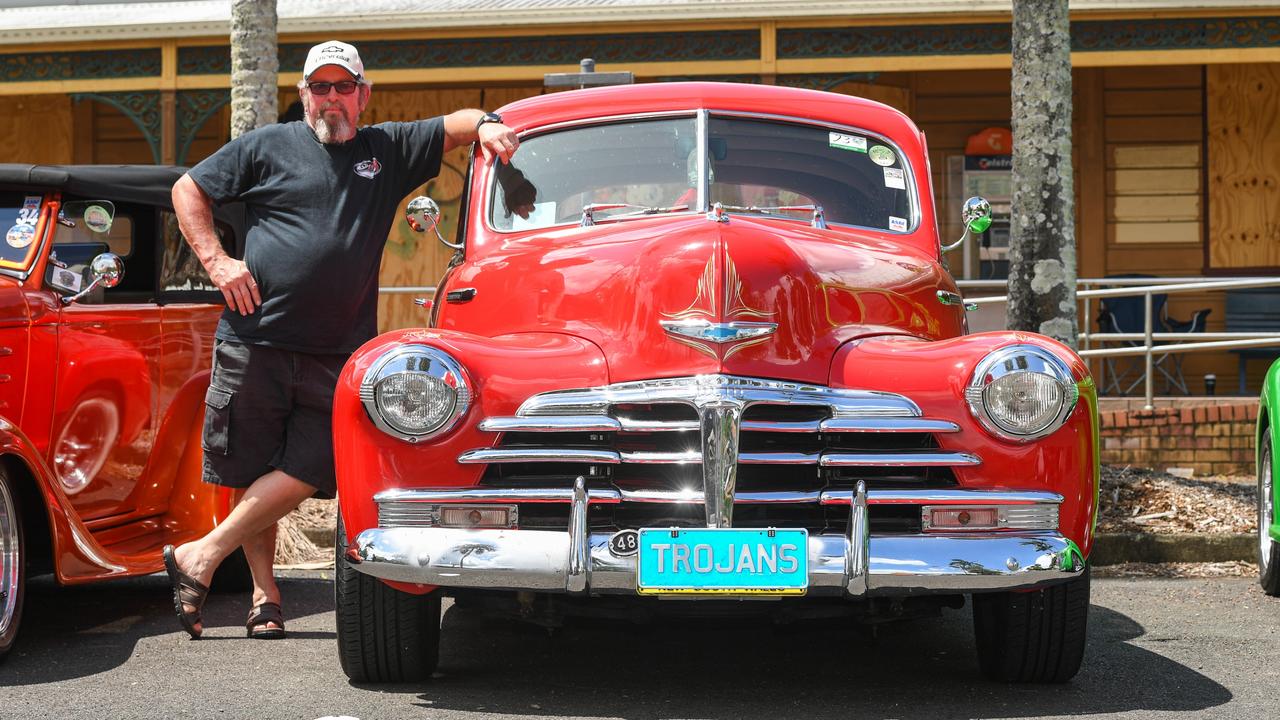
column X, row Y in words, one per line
column 1154, row 156
column 37, row 129
column 1126, row 233
column 1182, row 181
column 1156, row 208
column 1244, row 166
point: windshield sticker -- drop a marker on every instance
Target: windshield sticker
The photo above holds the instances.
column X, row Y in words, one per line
column 64, row 279
column 897, row 224
column 30, row 211
column 97, row 219
column 20, row 236
column 848, row 142
column 893, row 178
column 881, row 155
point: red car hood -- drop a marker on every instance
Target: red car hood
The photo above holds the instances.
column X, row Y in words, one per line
column 632, row 287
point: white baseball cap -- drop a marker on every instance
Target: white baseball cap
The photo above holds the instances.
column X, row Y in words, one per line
column 334, row 52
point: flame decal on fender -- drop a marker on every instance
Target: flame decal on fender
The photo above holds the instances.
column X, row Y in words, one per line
column 696, row 325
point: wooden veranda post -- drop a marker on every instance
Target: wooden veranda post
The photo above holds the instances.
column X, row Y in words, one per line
column 1042, row 243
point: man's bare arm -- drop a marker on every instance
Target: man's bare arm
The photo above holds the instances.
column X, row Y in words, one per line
column 494, row 138
column 195, row 218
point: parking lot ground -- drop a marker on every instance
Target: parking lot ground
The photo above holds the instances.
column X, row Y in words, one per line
column 1158, row 648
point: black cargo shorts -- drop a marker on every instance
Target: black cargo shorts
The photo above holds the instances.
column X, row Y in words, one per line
column 266, row 409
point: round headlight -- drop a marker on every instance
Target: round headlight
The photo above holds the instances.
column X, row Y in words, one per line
column 415, row 392
column 1022, row 392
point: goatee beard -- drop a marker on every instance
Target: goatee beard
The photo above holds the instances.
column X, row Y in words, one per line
column 333, row 131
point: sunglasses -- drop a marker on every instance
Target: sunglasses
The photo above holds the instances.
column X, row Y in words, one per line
column 344, row 87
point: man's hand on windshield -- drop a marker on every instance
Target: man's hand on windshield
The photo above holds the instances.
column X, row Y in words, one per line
column 233, row 278
column 497, row 139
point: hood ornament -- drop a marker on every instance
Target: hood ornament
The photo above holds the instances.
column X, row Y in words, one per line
column 700, row 326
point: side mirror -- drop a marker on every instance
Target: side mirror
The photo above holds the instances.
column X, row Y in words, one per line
column 976, row 214
column 421, row 213
column 107, row 270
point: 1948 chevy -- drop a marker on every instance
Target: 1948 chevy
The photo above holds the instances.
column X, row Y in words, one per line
column 103, row 375
column 698, row 345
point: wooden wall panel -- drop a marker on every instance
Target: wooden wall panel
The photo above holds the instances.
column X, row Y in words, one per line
column 417, row 259
column 117, row 140
column 37, row 129
column 1244, row 166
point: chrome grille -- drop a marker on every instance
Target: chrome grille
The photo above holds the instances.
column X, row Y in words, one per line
column 719, row 441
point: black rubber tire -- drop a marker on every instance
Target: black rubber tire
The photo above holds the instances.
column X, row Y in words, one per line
column 13, row 512
column 1033, row 637
column 384, row 635
column 233, row 575
column 1270, row 578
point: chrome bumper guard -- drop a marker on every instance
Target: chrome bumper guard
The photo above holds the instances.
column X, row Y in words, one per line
column 579, row 561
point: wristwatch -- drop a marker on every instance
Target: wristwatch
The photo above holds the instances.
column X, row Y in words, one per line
column 489, row 117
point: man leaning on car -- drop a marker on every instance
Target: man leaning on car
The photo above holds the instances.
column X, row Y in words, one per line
column 321, row 196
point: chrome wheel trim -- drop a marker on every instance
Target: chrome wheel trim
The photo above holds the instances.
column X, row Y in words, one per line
column 10, row 558
column 1265, row 508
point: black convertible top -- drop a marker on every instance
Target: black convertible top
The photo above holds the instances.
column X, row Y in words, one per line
column 148, row 184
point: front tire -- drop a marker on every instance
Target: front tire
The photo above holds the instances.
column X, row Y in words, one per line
column 384, row 635
column 1268, row 549
column 1033, row 637
column 13, row 565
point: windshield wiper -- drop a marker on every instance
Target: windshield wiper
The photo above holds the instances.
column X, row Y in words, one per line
column 588, row 212
column 818, row 219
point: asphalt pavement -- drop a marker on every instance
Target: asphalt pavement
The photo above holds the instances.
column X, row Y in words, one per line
column 1157, row 649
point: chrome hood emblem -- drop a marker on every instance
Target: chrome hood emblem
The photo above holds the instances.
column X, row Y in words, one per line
column 698, row 327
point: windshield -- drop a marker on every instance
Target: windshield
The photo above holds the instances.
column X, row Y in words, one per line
column 646, row 167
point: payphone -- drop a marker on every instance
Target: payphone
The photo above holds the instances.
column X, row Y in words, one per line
column 988, row 173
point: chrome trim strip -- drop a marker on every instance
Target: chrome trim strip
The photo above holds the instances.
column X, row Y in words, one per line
column 943, row 497
column 940, row 458
column 695, row 497
column 630, row 425
column 704, row 181
column 782, row 426
column 566, row 423
column 690, row 457
column 887, row 425
column 720, row 420
column 538, row 455
column 494, row 495
column 697, row 389
column 778, row 458
column 895, row 564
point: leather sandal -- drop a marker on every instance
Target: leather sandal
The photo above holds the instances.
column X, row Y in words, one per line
column 258, row 625
column 186, row 591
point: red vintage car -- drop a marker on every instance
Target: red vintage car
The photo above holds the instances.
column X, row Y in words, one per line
column 106, row 327
column 698, row 346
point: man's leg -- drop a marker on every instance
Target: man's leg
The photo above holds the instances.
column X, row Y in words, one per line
column 268, row 499
column 260, row 552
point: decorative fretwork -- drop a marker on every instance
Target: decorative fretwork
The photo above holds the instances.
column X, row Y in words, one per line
column 195, row 107
column 87, row 65
column 995, row 38
column 506, row 51
column 142, row 107
column 828, row 81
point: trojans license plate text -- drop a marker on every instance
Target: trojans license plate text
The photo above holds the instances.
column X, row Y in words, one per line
column 723, row 561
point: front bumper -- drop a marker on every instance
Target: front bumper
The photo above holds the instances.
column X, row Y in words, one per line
column 578, row 561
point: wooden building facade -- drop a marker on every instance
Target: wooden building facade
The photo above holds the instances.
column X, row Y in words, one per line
column 1175, row 116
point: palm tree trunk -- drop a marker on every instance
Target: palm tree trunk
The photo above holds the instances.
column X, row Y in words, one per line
column 255, row 66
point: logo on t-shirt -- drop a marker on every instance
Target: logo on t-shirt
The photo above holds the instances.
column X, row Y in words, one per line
column 368, row 168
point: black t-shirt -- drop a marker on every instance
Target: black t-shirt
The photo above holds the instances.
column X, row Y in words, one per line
column 318, row 217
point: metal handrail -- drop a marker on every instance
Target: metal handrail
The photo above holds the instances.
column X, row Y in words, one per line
column 1148, row 287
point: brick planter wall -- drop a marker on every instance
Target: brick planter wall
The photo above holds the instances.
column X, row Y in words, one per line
column 1212, row 439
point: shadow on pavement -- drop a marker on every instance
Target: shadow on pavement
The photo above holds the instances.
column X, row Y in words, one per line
column 70, row 632
column 741, row 670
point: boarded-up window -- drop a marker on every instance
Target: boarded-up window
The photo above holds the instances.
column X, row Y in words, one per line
column 1155, row 193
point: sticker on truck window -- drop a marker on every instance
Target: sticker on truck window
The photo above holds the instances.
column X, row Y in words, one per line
column 893, row 178
column 20, row 236
column 881, row 155
column 898, row 224
column 65, row 279
column 847, row 142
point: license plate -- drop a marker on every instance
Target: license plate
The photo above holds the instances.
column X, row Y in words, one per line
column 729, row 561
